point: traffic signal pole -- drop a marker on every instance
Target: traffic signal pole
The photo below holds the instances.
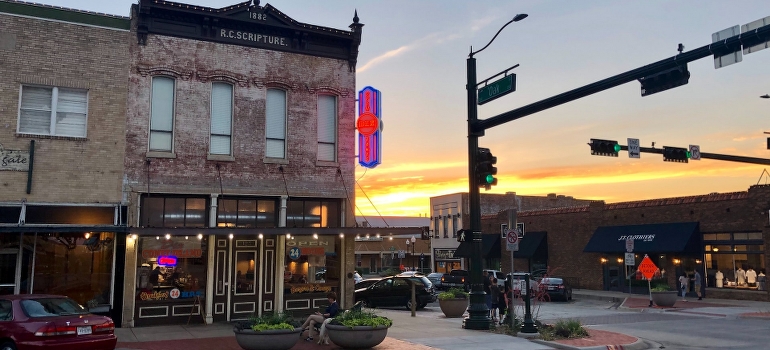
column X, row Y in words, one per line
column 716, row 156
column 728, row 45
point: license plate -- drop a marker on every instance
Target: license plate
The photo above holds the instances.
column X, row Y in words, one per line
column 84, row 330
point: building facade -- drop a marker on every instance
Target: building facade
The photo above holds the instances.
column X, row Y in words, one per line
column 450, row 213
column 62, row 139
column 240, row 140
column 723, row 236
column 394, row 243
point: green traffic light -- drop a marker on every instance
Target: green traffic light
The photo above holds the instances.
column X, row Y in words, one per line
column 617, row 147
column 489, row 179
column 689, row 155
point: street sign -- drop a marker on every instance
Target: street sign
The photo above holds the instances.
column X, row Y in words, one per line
column 630, row 259
column 392, row 248
column 520, row 229
column 401, row 254
column 497, row 88
column 512, row 241
column 752, row 26
column 729, row 58
column 633, row 148
column 647, row 267
column 422, row 256
column 694, row 152
column 629, row 245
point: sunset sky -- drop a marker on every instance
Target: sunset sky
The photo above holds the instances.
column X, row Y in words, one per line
column 415, row 53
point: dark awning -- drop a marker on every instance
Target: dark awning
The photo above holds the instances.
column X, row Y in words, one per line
column 678, row 237
column 490, row 247
column 61, row 228
column 529, row 245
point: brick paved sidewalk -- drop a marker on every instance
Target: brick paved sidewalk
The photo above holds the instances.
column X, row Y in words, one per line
column 229, row 343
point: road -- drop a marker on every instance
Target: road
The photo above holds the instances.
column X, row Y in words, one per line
column 713, row 328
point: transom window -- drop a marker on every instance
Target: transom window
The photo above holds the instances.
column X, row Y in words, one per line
column 312, row 213
column 246, row 213
column 173, row 212
column 53, row 111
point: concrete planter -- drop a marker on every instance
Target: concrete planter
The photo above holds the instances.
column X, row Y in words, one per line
column 665, row 299
column 453, row 308
column 360, row 337
column 280, row 339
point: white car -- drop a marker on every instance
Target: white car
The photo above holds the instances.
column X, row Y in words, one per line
column 519, row 282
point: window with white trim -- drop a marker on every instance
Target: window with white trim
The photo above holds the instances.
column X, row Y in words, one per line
column 162, row 114
column 221, row 118
column 53, row 111
column 327, row 128
column 275, row 128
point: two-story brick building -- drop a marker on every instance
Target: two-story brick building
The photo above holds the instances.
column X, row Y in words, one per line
column 63, row 98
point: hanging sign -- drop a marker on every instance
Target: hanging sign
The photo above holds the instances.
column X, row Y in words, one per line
column 14, row 160
column 369, row 127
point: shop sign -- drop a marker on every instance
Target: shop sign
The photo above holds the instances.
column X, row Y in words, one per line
column 643, row 238
column 312, row 251
column 154, row 248
column 14, row 160
column 322, row 243
column 310, row 288
column 177, row 294
column 154, row 295
column 444, row 254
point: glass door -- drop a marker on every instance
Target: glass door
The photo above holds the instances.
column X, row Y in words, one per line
column 8, row 263
column 244, row 299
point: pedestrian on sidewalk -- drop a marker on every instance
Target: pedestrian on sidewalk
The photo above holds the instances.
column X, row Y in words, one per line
column 683, row 284
column 697, row 284
column 494, row 297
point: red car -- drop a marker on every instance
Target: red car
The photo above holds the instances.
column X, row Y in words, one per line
column 52, row 322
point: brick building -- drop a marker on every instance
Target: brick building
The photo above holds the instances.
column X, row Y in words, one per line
column 63, row 100
column 450, row 213
column 722, row 235
column 240, row 144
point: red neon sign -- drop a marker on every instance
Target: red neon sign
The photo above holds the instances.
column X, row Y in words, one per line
column 167, row 260
column 369, row 127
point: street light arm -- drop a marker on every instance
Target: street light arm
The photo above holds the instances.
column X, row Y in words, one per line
column 516, row 18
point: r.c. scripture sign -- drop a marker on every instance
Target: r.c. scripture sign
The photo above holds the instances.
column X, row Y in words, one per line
column 14, row 160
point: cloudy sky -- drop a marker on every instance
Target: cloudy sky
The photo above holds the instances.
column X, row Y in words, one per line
column 415, row 53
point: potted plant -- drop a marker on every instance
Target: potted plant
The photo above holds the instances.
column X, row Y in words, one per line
column 663, row 296
column 358, row 329
column 273, row 331
column 453, row 302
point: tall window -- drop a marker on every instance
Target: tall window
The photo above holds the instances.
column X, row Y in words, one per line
column 53, row 111
column 162, row 114
column 275, row 130
column 221, row 118
column 445, row 224
column 327, row 127
column 454, row 225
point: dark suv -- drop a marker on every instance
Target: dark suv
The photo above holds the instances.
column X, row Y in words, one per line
column 397, row 291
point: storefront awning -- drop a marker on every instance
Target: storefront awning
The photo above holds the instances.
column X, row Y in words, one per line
column 490, row 247
column 528, row 246
column 61, row 228
column 295, row 231
column 679, row 237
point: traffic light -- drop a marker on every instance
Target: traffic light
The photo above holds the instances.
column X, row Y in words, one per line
column 675, row 154
column 604, row 147
column 667, row 79
column 462, row 235
column 485, row 168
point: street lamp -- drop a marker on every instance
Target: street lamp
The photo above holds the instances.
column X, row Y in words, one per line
column 413, row 240
column 478, row 312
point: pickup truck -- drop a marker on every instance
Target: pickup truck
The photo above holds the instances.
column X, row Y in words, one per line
column 456, row 278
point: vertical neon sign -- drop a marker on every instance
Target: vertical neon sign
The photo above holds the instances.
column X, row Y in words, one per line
column 369, row 127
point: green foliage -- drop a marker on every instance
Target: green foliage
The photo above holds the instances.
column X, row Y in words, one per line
column 660, row 288
column 389, row 272
column 269, row 321
column 453, row 293
column 359, row 317
column 563, row 329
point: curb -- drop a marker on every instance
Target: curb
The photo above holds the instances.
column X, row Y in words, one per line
column 637, row 345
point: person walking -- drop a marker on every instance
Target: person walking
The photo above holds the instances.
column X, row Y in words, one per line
column 494, row 297
column 683, row 284
column 697, row 284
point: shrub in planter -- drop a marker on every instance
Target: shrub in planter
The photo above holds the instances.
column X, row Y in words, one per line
column 358, row 329
column 563, row 329
column 663, row 295
column 453, row 302
column 274, row 331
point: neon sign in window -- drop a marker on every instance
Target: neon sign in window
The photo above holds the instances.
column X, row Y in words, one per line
column 167, row 260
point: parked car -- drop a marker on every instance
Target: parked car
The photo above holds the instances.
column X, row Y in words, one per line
column 518, row 280
column 457, row 279
column 435, row 278
column 397, row 291
column 363, row 284
column 36, row 321
column 557, row 288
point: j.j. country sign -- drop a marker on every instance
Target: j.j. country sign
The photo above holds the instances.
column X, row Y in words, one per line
column 369, row 127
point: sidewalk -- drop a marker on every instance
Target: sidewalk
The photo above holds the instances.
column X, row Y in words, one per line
column 431, row 330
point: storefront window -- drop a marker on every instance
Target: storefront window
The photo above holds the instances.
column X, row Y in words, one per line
column 735, row 260
column 246, row 213
column 170, row 269
column 312, row 265
column 77, row 265
column 173, row 212
column 312, row 213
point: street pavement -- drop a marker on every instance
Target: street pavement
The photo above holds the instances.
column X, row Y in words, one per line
column 688, row 325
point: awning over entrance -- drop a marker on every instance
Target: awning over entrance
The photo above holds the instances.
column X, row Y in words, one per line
column 490, row 247
column 528, row 246
column 61, row 228
column 679, row 237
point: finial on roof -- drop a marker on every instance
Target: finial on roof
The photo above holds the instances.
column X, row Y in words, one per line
column 355, row 16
